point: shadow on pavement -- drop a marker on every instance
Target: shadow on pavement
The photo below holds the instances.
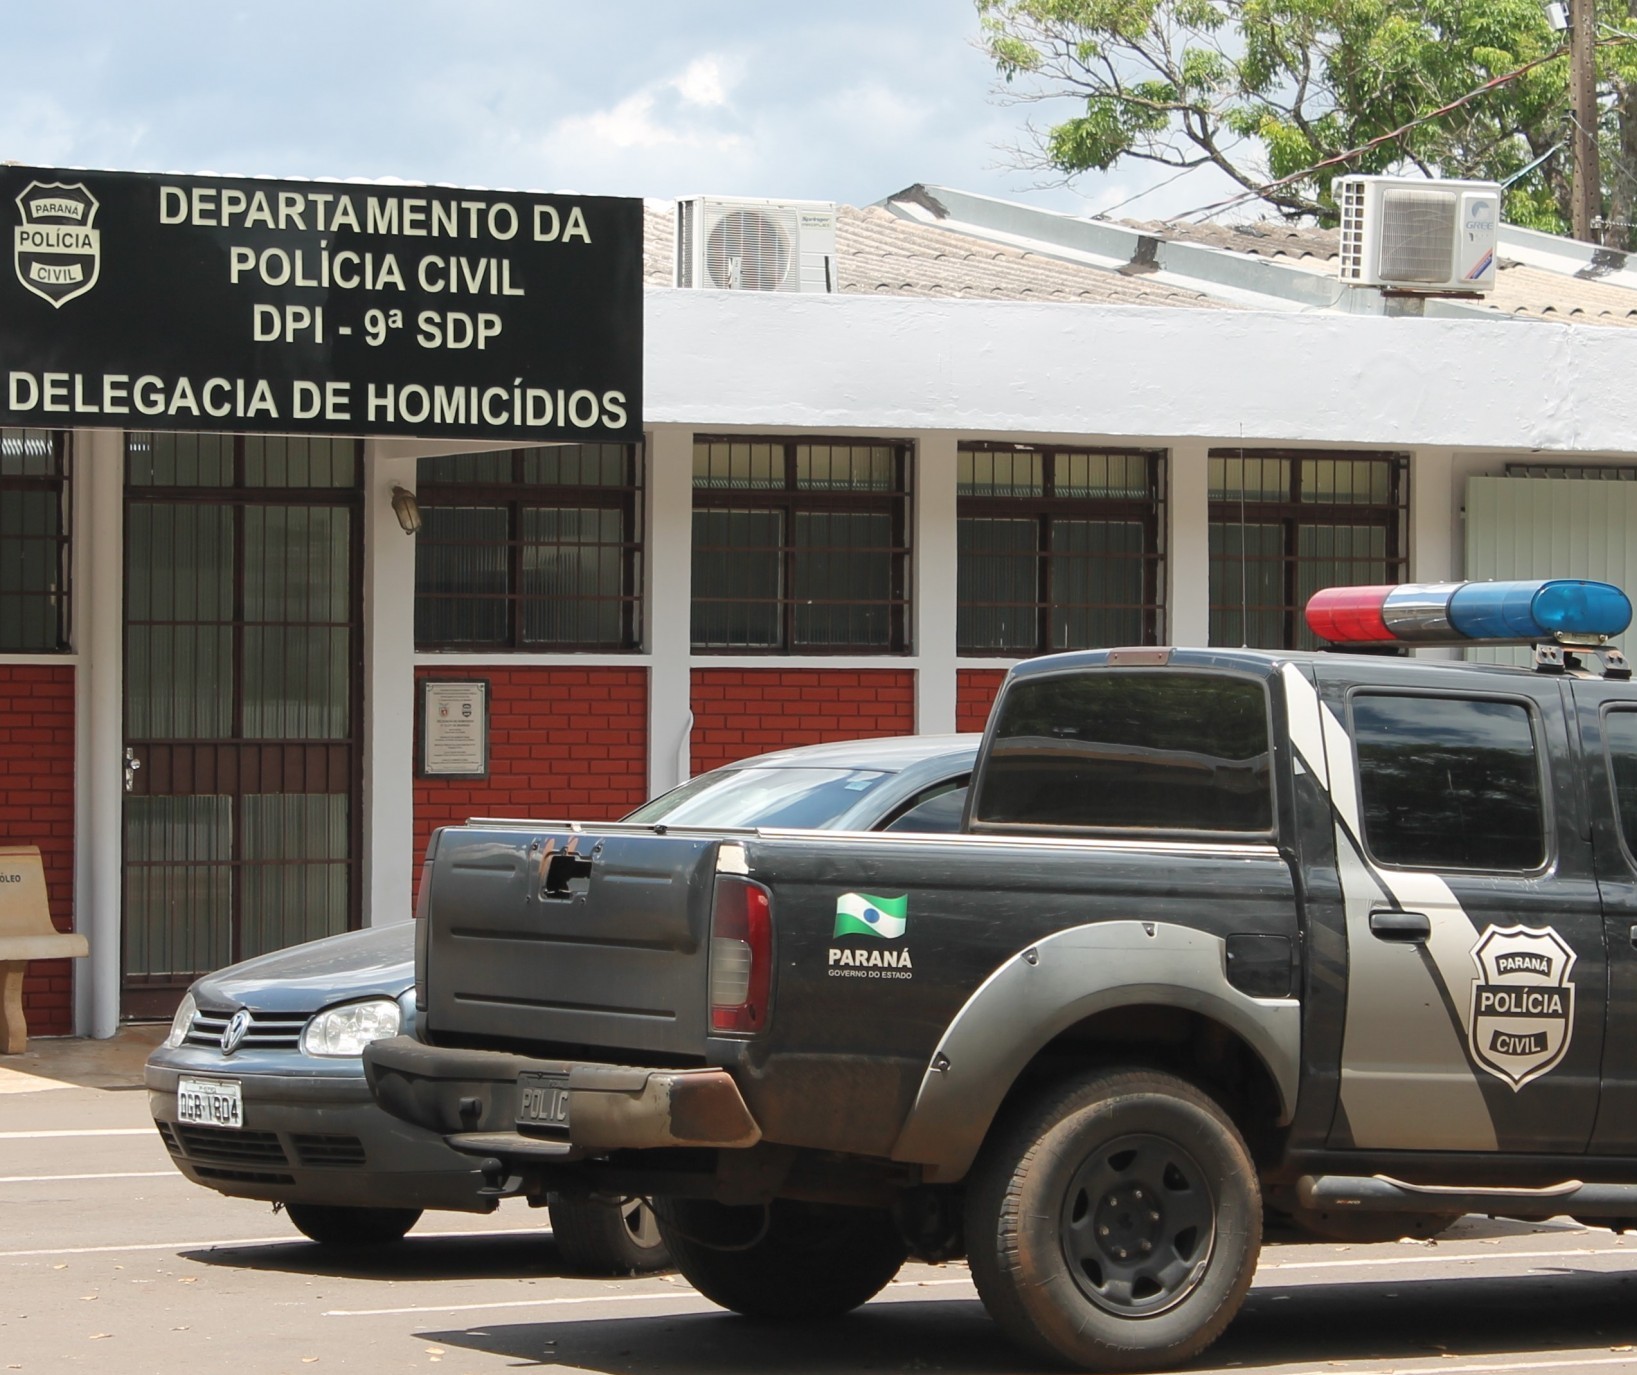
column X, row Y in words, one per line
column 1298, row 1325
column 908, row 1335
column 415, row 1259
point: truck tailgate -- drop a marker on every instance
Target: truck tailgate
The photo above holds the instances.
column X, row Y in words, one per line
column 559, row 938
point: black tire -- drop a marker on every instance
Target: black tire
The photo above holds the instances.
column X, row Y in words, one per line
column 1114, row 1222
column 788, row 1261
column 608, row 1236
column 1364, row 1229
column 352, row 1228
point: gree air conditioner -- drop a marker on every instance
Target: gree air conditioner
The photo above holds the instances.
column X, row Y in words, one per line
column 1411, row 234
column 755, row 245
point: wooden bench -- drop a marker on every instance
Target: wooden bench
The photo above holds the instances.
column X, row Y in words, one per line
column 26, row 933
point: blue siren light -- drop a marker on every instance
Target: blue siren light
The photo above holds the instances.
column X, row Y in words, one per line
column 1544, row 609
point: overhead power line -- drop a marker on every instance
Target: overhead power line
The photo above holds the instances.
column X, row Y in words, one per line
column 1259, row 192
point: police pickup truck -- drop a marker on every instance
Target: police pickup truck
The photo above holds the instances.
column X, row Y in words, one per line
column 1345, row 939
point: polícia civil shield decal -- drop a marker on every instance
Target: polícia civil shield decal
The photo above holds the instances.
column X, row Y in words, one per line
column 1522, row 1002
column 57, row 249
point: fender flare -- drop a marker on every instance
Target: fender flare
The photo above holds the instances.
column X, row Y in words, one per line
column 1044, row 990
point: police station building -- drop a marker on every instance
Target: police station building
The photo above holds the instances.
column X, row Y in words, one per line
column 333, row 512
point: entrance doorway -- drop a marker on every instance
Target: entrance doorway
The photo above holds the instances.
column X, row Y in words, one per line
column 243, row 702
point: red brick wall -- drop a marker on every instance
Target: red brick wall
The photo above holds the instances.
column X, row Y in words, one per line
column 37, row 808
column 570, row 743
column 975, row 690
column 740, row 712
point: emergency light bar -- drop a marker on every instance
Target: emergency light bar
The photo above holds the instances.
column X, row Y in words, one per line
column 1565, row 610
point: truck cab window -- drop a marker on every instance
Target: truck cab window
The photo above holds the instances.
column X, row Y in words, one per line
column 1449, row 783
column 1124, row 750
column 1620, row 733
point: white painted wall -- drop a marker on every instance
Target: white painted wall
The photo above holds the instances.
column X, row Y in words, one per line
column 1187, row 545
column 892, row 364
column 667, row 605
column 389, row 688
column 932, row 581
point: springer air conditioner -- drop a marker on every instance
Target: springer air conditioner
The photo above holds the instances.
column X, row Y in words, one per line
column 755, row 245
column 1412, row 234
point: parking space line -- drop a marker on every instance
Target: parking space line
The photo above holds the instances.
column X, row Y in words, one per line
column 1448, row 1365
column 1441, row 1256
column 60, row 1178
column 285, row 1239
column 144, row 1246
column 581, row 1299
column 692, row 1295
column 90, row 1131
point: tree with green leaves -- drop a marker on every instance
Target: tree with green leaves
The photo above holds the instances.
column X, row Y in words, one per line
column 1283, row 96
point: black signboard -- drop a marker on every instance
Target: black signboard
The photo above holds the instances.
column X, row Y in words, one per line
column 159, row 302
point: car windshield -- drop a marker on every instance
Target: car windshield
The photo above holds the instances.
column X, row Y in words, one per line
column 809, row 797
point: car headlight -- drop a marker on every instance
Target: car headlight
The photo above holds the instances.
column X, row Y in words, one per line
column 346, row 1030
column 182, row 1021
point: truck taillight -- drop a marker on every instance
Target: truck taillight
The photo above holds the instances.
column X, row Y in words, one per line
column 741, row 969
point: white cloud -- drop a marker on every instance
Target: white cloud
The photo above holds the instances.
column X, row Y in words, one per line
column 669, row 113
column 703, row 83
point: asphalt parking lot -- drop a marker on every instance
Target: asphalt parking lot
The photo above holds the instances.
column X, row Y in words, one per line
column 113, row 1262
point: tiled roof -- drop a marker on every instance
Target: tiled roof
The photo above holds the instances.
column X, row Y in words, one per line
column 1520, row 289
column 879, row 254
column 882, row 254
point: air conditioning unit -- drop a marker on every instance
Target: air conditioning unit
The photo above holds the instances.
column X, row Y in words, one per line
column 755, row 245
column 1411, row 234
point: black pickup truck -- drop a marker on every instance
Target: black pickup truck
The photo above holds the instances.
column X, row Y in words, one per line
column 1343, row 939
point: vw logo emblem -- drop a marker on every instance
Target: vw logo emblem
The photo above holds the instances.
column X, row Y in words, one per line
column 233, row 1032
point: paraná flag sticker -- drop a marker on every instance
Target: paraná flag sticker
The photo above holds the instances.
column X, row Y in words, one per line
column 860, row 914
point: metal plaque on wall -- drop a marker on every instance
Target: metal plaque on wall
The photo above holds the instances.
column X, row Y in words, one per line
column 454, row 729
column 160, row 302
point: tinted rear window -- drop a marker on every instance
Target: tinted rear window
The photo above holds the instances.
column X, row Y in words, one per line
column 1118, row 750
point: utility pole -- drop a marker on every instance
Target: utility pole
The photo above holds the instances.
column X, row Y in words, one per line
column 1588, row 179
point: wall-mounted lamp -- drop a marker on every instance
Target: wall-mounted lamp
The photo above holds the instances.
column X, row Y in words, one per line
column 407, row 509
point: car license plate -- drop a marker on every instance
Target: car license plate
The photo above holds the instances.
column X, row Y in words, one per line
column 542, row 1101
column 210, row 1102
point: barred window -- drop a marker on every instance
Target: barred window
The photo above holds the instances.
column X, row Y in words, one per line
column 34, row 541
column 207, row 461
column 800, row 546
column 1058, row 549
column 531, row 548
column 1283, row 525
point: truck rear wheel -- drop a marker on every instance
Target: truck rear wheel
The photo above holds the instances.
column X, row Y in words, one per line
column 340, row 1226
column 1115, row 1222
column 607, row 1236
column 787, row 1261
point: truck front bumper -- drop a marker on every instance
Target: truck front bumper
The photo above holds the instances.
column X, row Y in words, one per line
column 470, row 1097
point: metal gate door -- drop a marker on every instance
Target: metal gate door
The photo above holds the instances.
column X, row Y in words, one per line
column 242, row 702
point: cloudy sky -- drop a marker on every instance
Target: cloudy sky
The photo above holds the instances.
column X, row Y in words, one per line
column 844, row 100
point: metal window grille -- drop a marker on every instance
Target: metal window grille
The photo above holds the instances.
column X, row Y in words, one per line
column 243, row 701
column 1284, row 524
column 34, row 541
column 530, row 549
column 1058, row 548
column 800, row 545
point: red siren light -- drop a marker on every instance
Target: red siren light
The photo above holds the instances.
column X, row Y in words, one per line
column 1567, row 610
